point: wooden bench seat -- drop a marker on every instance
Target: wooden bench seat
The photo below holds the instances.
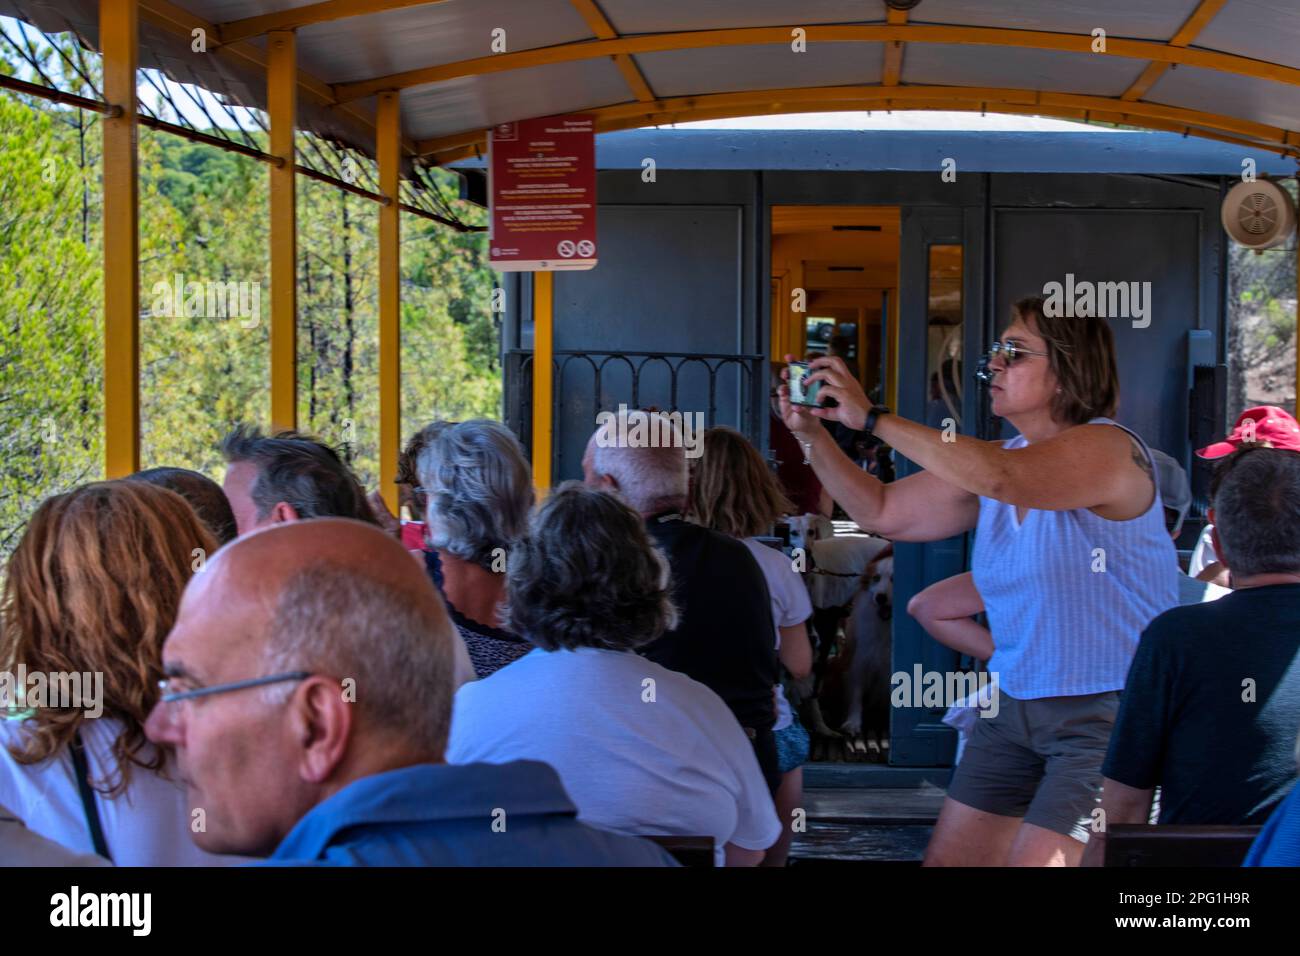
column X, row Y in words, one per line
column 1137, row 844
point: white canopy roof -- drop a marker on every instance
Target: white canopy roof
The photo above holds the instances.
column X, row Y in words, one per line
column 1228, row 69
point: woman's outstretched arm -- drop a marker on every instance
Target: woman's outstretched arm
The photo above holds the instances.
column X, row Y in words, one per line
column 920, row 507
column 1088, row 466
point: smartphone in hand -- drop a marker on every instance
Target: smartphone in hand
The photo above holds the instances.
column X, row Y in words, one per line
column 799, row 394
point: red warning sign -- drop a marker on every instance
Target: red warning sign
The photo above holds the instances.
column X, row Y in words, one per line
column 543, row 194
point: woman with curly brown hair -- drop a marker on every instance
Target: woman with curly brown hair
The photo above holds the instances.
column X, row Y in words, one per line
column 90, row 595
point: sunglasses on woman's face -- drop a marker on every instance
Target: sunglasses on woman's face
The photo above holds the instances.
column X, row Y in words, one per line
column 1010, row 350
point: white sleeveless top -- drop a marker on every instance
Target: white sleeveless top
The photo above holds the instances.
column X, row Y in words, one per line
column 148, row 824
column 1068, row 593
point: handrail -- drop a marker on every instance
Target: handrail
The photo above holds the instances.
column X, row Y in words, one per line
column 751, row 372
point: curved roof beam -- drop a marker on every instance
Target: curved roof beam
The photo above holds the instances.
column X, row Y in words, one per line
column 892, row 70
column 1205, row 11
column 964, row 99
column 947, row 105
column 180, row 22
column 599, row 24
column 232, row 31
column 873, row 33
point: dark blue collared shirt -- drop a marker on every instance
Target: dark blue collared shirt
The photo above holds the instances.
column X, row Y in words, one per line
column 1278, row 844
column 512, row 814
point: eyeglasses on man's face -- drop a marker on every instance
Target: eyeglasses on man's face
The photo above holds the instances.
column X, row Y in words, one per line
column 184, row 688
column 1010, row 351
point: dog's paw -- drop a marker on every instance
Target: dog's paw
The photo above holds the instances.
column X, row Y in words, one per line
column 819, row 728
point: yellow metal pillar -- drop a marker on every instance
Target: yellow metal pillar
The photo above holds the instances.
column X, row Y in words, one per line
column 543, row 377
column 282, row 105
column 388, row 151
column 118, row 21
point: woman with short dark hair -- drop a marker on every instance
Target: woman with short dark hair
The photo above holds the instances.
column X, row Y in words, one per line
column 204, row 495
column 1070, row 497
column 641, row 749
column 411, row 532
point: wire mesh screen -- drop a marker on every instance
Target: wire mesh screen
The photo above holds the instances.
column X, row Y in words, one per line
column 64, row 67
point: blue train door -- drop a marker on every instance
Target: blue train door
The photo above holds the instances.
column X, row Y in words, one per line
column 939, row 340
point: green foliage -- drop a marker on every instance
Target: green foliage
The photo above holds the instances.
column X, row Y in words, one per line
column 204, row 218
column 51, row 367
column 1261, row 326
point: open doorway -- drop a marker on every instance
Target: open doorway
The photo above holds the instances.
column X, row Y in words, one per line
column 834, row 276
column 834, row 281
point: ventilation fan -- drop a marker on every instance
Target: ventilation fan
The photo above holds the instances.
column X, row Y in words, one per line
column 1259, row 215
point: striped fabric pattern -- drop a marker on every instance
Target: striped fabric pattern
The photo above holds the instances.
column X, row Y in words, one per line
column 1061, row 625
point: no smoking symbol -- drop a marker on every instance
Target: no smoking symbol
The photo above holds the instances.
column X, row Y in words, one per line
column 586, row 248
column 565, row 248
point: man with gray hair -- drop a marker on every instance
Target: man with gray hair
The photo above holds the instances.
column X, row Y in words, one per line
column 308, row 699
column 1211, row 706
column 724, row 637
column 273, row 479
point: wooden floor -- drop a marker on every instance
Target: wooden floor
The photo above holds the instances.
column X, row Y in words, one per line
column 876, row 825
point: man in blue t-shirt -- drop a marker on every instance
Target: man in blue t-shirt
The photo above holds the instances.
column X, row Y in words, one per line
column 1211, row 707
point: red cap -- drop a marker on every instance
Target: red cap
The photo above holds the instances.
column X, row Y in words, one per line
column 1263, row 423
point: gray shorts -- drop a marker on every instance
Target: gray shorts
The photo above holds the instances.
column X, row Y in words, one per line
column 1040, row 760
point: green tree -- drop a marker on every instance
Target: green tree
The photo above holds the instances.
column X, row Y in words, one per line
column 1261, row 343
column 51, row 368
column 203, row 217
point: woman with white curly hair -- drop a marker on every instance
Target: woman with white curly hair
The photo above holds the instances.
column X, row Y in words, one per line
column 478, row 493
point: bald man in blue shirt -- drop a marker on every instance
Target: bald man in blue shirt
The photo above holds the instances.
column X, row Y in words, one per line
column 309, row 681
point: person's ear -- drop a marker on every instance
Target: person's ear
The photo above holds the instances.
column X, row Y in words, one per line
column 283, row 513
column 607, row 481
column 322, row 715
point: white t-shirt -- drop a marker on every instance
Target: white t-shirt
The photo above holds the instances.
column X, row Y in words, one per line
column 674, row 763
column 1192, row 591
column 790, row 606
column 1203, row 554
column 148, row 824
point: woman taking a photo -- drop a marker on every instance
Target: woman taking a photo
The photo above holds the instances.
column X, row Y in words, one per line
column 1071, row 559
